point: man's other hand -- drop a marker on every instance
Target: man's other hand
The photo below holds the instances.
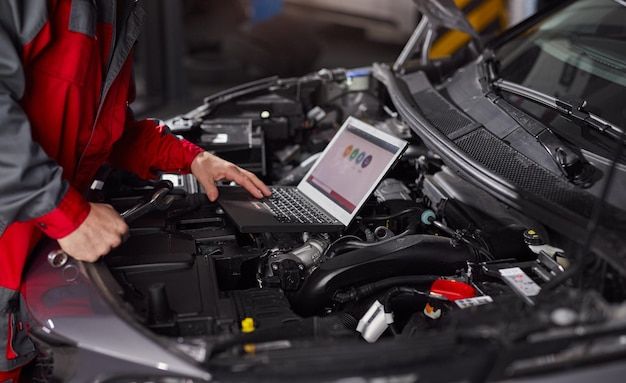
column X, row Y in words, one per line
column 209, row 168
column 102, row 231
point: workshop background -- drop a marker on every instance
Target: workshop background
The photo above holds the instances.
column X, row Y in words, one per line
column 193, row 48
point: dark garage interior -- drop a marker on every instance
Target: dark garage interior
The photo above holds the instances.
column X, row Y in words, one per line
column 209, row 45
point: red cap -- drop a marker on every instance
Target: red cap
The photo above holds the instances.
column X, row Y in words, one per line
column 453, row 290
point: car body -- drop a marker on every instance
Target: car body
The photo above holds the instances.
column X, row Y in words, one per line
column 515, row 181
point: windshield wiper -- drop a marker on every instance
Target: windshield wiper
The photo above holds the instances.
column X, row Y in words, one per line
column 573, row 165
column 569, row 161
column 573, row 110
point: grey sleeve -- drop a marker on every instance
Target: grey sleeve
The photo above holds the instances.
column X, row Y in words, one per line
column 31, row 183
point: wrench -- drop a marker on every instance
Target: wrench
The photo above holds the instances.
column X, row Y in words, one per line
column 160, row 201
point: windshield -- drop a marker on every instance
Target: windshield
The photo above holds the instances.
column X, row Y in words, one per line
column 579, row 53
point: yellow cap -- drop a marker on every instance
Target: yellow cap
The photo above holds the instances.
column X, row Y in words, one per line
column 249, row 348
column 247, row 325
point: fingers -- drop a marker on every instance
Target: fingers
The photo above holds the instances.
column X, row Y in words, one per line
column 257, row 182
column 112, row 235
column 116, row 241
column 119, row 226
column 102, row 231
column 237, row 175
column 211, row 189
column 122, row 229
column 208, row 168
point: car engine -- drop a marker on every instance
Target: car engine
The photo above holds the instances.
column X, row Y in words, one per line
column 429, row 253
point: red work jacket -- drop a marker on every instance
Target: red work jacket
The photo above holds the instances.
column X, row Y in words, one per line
column 65, row 87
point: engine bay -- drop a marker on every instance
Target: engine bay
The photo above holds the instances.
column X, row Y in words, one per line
column 429, row 256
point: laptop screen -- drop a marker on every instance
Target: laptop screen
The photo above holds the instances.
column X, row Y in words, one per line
column 353, row 164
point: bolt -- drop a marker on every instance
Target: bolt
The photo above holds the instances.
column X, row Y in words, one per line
column 58, row 258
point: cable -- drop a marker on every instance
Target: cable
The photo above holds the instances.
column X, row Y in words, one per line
column 402, row 290
column 356, row 293
column 460, row 236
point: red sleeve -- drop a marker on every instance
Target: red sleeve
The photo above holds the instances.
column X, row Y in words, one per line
column 69, row 214
column 147, row 147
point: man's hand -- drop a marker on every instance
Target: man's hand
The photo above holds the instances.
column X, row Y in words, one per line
column 102, row 231
column 209, row 168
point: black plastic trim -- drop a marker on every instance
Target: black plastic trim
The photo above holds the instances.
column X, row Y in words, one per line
column 552, row 215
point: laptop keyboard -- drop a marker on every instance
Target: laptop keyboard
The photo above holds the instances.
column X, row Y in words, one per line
column 289, row 206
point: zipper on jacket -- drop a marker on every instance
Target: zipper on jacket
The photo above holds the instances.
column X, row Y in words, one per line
column 105, row 90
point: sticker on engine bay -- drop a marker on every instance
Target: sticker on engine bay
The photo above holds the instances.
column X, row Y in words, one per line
column 475, row 301
column 520, row 281
column 220, row 138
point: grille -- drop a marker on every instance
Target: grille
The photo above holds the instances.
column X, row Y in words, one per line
column 498, row 157
column 439, row 112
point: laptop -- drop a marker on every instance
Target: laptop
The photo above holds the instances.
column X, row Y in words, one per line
column 331, row 193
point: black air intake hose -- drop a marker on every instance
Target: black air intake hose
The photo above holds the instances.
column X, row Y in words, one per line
column 409, row 255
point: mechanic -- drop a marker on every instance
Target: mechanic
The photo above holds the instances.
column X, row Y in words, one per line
column 65, row 86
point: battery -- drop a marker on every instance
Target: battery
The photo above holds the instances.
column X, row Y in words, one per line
column 235, row 140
